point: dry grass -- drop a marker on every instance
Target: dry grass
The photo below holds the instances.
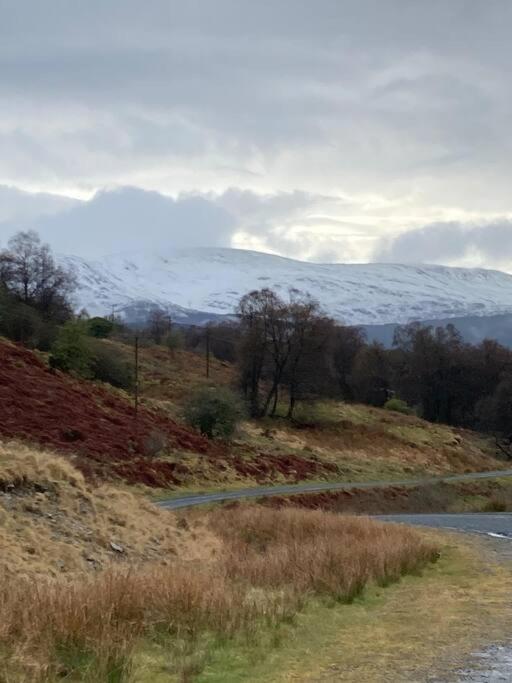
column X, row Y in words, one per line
column 166, row 376
column 272, row 562
column 53, row 523
column 316, row 551
column 372, row 443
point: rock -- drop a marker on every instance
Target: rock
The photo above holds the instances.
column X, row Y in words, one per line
column 31, row 508
column 116, row 547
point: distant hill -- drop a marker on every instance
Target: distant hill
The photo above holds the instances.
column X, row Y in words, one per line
column 204, row 283
column 472, row 328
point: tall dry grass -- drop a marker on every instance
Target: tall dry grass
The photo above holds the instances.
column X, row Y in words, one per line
column 272, row 562
column 316, row 552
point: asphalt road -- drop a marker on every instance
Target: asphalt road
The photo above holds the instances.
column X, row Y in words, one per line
column 494, row 524
column 192, row 500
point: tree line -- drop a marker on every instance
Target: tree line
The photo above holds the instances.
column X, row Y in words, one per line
column 288, row 351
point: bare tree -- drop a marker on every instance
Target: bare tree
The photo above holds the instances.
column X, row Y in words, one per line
column 29, row 272
column 278, row 340
column 310, row 371
column 253, row 312
column 159, row 325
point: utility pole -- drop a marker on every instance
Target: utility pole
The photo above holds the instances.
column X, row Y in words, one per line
column 207, row 351
column 136, row 382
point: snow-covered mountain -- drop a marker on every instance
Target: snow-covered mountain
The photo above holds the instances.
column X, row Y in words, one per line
column 212, row 280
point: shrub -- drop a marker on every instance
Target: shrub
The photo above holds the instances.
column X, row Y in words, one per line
column 70, row 351
column 214, row 411
column 398, row 406
column 315, row 414
column 100, row 327
column 174, row 340
column 24, row 324
column 108, row 365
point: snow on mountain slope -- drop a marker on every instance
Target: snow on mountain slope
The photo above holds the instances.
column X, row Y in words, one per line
column 213, row 280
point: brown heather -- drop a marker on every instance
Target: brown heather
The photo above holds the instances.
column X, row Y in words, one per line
column 271, row 563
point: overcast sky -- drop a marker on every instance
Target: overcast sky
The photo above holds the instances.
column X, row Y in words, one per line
column 335, row 130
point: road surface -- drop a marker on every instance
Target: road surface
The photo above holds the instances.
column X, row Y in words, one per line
column 191, row 500
column 494, row 524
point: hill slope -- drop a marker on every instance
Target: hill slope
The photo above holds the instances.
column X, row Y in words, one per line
column 52, row 521
column 94, row 424
column 213, row 280
column 92, row 421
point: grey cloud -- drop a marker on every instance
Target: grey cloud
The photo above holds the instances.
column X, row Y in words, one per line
column 452, row 242
column 370, row 89
column 290, row 102
column 129, row 219
column 17, row 206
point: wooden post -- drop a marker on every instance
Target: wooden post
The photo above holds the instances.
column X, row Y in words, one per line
column 207, row 352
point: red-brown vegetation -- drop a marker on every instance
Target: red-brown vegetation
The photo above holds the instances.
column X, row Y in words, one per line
column 48, row 407
column 265, row 466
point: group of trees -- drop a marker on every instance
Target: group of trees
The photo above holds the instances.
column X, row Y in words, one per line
column 35, row 293
column 283, row 349
column 36, row 309
column 288, row 351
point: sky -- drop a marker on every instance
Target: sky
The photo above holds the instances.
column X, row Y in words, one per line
column 335, row 130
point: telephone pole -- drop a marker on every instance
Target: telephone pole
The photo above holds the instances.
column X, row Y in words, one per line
column 207, row 352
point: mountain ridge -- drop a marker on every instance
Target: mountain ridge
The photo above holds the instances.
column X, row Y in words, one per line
column 211, row 281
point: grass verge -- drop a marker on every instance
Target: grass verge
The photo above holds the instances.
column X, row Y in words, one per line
column 272, row 563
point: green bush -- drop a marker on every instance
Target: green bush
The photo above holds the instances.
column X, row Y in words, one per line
column 108, row 365
column 101, row 328
column 24, row 324
column 315, row 414
column 214, row 411
column 398, row 406
column 70, row 352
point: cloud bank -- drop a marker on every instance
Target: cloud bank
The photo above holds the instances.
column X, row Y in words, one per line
column 489, row 245
column 320, row 128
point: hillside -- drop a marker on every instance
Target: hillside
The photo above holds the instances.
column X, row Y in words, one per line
column 53, row 522
column 212, row 281
column 94, row 424
column 91, row 421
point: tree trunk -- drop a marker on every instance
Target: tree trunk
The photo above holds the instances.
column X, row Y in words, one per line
column 274, row 406
column 291, row 406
